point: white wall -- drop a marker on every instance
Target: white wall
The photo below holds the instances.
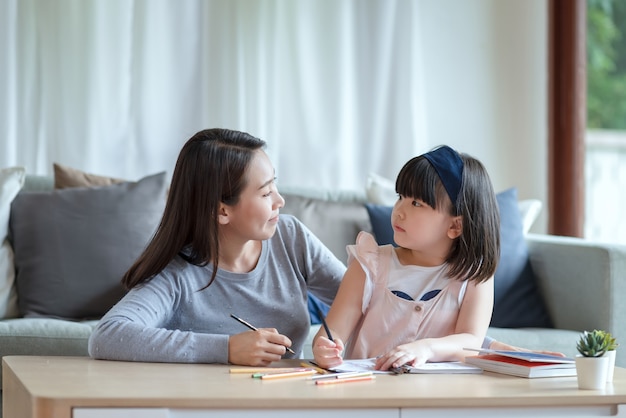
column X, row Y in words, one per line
column 486, row 67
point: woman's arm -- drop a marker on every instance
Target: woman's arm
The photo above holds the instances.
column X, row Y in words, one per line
column 135, row 330
column 166, row 320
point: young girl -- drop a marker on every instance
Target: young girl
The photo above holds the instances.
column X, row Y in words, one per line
column 221, row 249
column 432, row 295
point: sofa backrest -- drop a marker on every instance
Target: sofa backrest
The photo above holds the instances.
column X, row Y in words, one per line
column 335, row 218
column 35, row 183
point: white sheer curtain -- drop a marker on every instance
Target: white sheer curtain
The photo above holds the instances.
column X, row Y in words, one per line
column 115, row 87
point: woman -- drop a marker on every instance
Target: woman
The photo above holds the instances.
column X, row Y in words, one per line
column 221, row 248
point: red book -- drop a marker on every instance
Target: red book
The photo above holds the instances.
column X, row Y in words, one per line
column 522, row 368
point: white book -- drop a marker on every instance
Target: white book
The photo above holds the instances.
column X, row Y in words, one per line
column 448, row 367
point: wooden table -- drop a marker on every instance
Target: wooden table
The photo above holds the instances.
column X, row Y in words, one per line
column 80, row 387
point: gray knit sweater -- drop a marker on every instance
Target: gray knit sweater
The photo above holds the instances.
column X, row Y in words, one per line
column 169, row 320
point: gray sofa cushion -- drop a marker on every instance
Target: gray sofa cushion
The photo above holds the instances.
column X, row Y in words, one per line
column 335, row 218
column 44, row 337
column 72, row 246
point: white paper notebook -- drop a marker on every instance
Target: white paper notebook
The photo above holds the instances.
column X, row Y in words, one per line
column 450, row 367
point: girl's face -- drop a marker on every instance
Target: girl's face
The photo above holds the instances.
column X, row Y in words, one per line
column 255, row 215
column 420, row 228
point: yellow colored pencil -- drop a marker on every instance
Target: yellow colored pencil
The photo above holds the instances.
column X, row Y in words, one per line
column 314, row 367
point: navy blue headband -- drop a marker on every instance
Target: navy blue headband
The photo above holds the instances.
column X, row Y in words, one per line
column 449, row 166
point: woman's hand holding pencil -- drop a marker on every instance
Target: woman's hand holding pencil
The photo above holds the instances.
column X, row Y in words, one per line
column 259, row 348
column 253, row 328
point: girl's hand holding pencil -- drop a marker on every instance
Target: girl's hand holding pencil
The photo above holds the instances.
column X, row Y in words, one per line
column 327, row 353
column 327, row 350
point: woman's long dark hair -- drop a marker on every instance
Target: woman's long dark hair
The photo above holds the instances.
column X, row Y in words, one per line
column 210, row 170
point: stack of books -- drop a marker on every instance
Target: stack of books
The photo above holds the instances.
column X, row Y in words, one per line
column 523, row 364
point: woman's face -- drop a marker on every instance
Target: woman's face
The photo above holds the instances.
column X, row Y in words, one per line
column 255, row 215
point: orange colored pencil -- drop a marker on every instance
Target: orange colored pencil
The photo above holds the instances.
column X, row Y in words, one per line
column 288, row 374
column 345, row 380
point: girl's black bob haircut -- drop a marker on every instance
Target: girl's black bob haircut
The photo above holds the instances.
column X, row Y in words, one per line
column 475, row 253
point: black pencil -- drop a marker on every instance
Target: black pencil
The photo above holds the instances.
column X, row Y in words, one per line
column 253, row 328
column 321, row 315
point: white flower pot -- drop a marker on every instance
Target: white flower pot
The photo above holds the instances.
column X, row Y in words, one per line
column 592, row 372
column 610, row 365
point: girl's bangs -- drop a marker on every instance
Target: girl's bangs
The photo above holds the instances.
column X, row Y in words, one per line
column 419, row 180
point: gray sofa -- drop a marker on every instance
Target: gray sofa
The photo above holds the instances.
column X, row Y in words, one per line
column 583, row 283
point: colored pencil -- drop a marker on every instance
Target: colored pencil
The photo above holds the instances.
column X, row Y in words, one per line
column 346, row 380
column 344, row 375
column 287, row 375
column 238, row 370
column 316, row 368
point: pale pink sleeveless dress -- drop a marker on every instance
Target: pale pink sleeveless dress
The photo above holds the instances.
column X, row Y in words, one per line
column 389, row 320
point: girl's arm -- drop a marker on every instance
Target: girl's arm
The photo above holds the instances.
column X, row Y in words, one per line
column 342, row 317
column 470, row 330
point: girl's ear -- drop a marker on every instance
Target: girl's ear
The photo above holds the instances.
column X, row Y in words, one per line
column 456, row 227
column 223, row 214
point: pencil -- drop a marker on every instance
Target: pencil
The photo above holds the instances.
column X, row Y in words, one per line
column 287, row 375
column 253, row 328
column 315, row 367
column 321, row 315
column 344, row 375
column 271, row 371
column 241, row 370
column 345, row 380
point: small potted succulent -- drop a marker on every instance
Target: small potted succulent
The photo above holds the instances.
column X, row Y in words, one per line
column 610, row 353
column 592, row 364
